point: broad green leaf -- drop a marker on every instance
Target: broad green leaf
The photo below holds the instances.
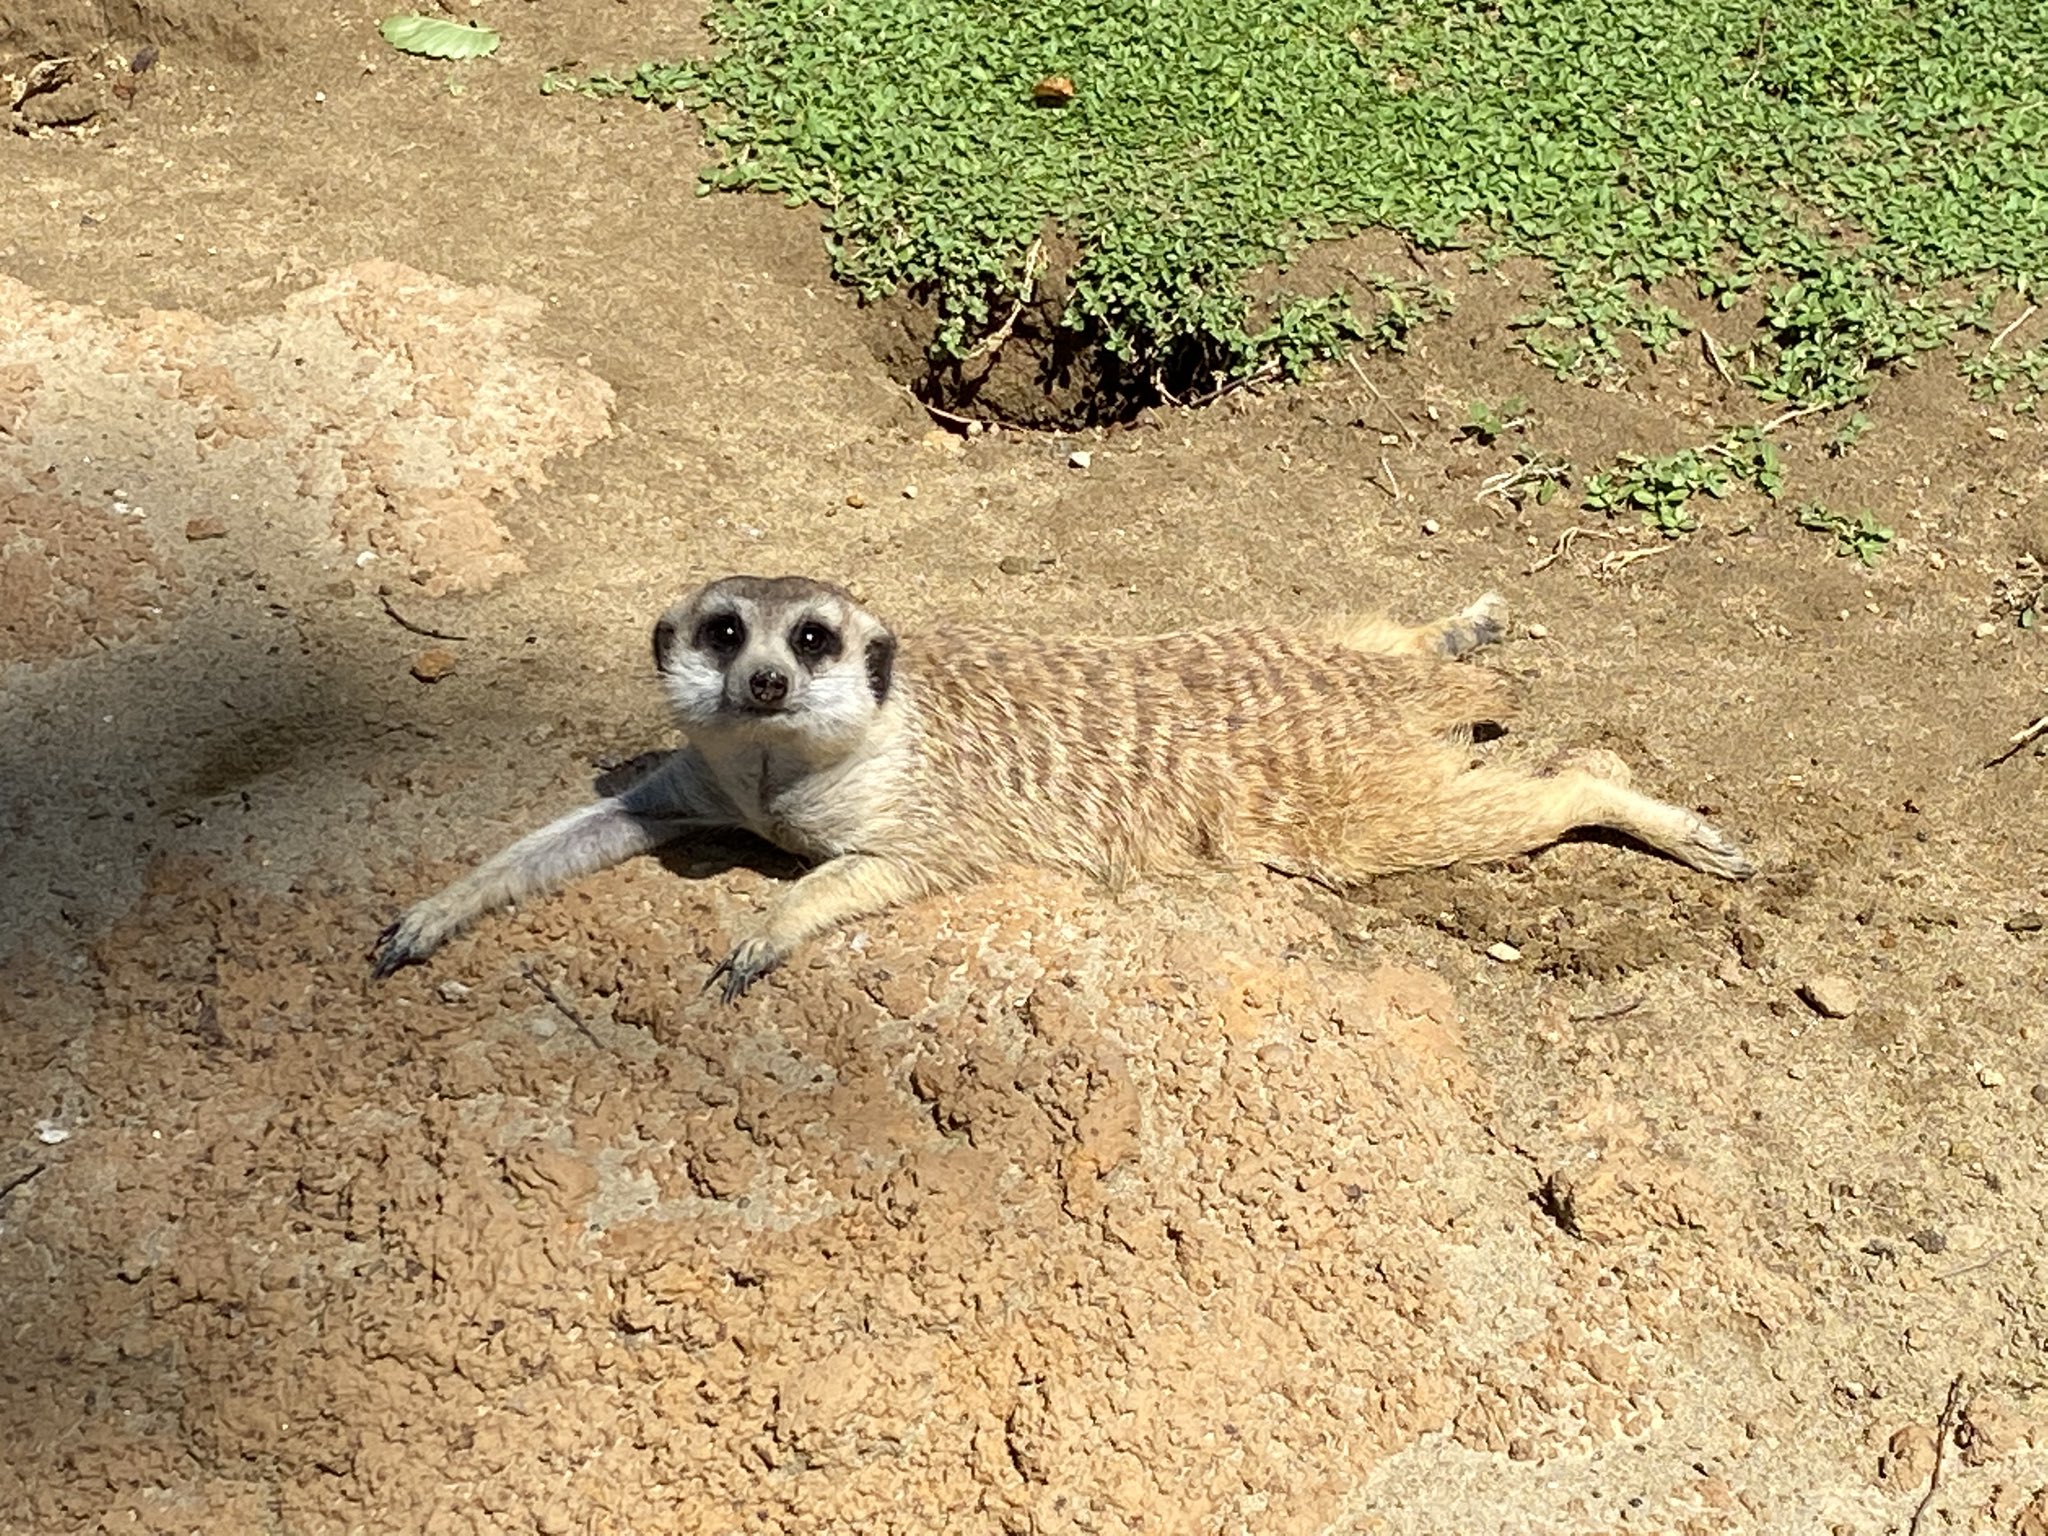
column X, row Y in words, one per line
column 433, row 37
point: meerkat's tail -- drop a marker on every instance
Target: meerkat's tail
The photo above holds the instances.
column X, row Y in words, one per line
column 1482, row 623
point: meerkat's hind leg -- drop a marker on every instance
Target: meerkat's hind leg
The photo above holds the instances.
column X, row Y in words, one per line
column 1481, row 623
column 1478, row 815
column 668, row 802
column 1507, row 810
column 837, row 891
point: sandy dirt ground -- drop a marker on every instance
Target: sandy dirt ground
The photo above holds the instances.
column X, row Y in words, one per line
column 1211, row 1206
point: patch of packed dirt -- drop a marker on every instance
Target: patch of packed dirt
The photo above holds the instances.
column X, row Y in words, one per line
column 353, row 430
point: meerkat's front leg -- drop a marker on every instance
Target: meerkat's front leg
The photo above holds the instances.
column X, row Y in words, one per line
column 670, row 801
column 850, row 886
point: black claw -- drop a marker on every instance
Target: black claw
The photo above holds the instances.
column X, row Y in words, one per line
column 738, row 978
column 384, row 959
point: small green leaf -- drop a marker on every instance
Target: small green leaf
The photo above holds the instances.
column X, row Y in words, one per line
column 431, row 37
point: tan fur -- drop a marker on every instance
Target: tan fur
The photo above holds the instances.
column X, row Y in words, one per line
column 1337, row 753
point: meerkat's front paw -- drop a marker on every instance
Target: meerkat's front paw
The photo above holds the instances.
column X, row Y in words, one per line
column 747, row 964
column 407, row 942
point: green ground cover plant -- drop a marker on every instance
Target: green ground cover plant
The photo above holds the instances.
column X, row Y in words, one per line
column 1662, row 490
column 2018, row 378
column 1862, row 536
column 1868, row 166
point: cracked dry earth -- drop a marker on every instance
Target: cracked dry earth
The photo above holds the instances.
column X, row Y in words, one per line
column 1206, row 1206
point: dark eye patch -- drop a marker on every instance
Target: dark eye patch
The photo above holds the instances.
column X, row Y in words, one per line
column 720, row 633
column 815, row 643
column 881, row 667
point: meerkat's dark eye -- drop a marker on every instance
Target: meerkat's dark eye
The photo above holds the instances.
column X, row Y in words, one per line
column 813, row 641
column 722, row 634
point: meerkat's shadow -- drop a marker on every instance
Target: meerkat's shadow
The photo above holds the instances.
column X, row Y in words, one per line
column 714, row 851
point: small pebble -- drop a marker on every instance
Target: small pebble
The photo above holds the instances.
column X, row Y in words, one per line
column 1991, row 1077
column 50, row 1133
column 1080, row 458
column 1016, row 565
column 430, row 666
column 856, row 500
column 1832, row 997
column 197, row 528
column 2026, row 922
column 1431, row 526
column 1986, row 630
column 452, row 991
column 1538, row 631
column 2039, row 1093
column 1504, row 952
column 910, row 493
column 1933, row 1240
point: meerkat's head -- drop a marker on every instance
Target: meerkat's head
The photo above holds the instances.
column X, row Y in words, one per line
column 775, row 658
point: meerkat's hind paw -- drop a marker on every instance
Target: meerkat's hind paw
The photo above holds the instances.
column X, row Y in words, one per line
column 1717, row 853
column 407, row 941
column 1483, row 623
column 387, row 957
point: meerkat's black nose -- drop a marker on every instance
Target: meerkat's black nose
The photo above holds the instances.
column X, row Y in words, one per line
column 770, row 685
column 664, row 642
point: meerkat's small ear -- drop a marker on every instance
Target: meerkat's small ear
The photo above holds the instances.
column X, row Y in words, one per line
column 881, row 665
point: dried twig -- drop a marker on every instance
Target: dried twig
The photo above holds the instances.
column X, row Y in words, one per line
column 1598, row 1014
column 1614, row 564
column 1256, row 376
column 2021, row 738
column 971, row 424
column 1388, row 470
column 991, row 342
column 1943, row 1431
column 1366, row 380
column 547, row 990
column 2024, row 316
column 1712, row 353
column 1534, row 472
column 1971, row 1269
column 419, row 629
column 14, row 1181
column 1794, row 414
column 1564, row 545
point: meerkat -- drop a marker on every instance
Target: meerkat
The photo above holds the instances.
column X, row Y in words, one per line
column 904, row 766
